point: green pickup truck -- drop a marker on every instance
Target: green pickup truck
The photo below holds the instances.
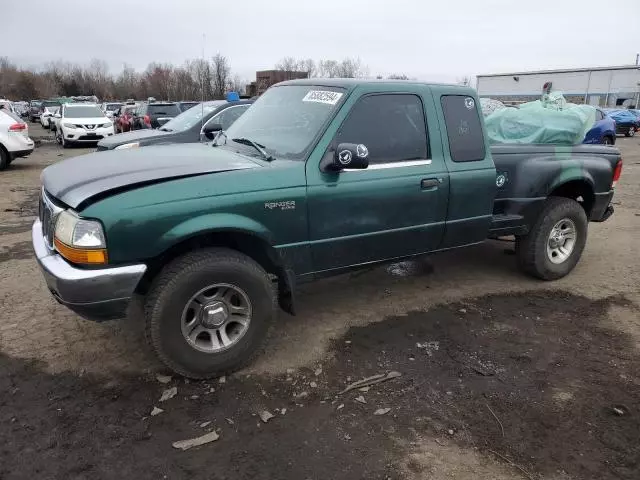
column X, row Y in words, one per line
column 317, row 177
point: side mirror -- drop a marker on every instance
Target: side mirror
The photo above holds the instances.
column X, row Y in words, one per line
column 347, row 156
column 211, row 129
column 57, row 115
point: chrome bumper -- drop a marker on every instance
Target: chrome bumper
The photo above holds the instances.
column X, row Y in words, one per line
column 96, row 294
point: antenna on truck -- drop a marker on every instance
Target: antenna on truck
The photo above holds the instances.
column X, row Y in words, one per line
column 202, row 86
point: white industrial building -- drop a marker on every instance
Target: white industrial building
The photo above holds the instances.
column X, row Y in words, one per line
column 603, row 86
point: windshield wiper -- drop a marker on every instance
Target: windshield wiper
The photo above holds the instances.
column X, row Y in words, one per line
column 257, row 146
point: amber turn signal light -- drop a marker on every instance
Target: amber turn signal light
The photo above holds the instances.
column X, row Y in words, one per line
column 87, row 256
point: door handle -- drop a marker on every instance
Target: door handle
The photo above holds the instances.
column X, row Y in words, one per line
column 429, row 183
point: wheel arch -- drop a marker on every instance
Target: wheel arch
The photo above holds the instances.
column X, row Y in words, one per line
column 580, row 189
column 256, row 245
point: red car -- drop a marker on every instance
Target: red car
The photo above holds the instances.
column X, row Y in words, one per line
column 123, row 117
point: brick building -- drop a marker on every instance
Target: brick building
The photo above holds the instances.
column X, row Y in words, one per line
column 266, row 78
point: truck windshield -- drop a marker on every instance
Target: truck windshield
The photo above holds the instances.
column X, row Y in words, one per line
column 287, row 119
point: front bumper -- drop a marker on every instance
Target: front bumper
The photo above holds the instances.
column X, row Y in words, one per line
column 97, row 294
column 22, row 153
column 81, row 135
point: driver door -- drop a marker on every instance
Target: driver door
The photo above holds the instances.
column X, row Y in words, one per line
column 394, row 208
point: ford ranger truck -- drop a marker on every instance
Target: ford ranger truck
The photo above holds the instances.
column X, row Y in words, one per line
column 317, row 177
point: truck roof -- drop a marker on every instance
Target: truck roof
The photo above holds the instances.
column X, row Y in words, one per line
column 350, row 83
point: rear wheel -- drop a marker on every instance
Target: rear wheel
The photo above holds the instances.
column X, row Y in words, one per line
column 4, row 158
column 607, row 140
column 631, row 132
column 555, row 243
column 208, row 312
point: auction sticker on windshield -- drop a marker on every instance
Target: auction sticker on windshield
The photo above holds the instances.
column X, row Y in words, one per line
column 321, row 96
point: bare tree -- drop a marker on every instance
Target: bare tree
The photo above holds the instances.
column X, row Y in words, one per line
column 352, row 68
column 309, row 65
column 126, row 84
column 221, row 75
column 97, row 75
column 398, row 77
column 202, row 74
column 290, row 64
column 237, row 84
column 158, row 80
column 328, row 68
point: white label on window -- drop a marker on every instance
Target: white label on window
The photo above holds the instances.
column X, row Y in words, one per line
column 320, row 96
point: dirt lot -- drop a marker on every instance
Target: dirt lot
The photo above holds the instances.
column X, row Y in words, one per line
column 501, row 376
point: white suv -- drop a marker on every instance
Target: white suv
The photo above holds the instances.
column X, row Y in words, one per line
column 81, row 123
column 14, row 138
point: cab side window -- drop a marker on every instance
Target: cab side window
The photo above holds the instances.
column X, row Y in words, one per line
column 391, row 126
column 464, row 130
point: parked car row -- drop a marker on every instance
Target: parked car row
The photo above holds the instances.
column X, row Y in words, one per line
column 196, row 124
column 603, row 130
column 627, row 121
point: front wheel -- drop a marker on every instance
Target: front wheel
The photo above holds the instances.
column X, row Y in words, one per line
column 555, row 243
column 63, row 142
column 208, row 312
column 631, row 132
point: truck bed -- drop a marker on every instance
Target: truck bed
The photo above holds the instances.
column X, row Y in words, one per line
column 532, row 172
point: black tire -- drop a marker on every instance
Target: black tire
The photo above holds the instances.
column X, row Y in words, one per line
column 607, row 140
column 531, row 249
column 178, row 282
column 5, row 159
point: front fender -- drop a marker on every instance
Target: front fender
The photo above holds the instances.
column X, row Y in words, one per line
column 214, row 222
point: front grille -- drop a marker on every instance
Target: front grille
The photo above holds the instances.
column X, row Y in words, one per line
column 48, row 213
column 91, row 137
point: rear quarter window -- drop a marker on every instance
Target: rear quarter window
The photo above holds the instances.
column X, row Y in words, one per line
column 464, row 130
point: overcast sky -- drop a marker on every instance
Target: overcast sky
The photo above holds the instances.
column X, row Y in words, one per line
column 427, row 39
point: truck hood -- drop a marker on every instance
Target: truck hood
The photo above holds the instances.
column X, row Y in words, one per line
column 112, row 142
column 76, row 180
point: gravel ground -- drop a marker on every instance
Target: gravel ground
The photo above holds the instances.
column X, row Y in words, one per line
column 513, row 378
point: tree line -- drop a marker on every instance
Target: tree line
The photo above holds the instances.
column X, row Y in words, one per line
column 190, row 81
column 195, row 79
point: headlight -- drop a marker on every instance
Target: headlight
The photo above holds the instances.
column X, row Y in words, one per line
column 106, row 125
column 68, row 125
column 128, row 145
column 79, row 240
